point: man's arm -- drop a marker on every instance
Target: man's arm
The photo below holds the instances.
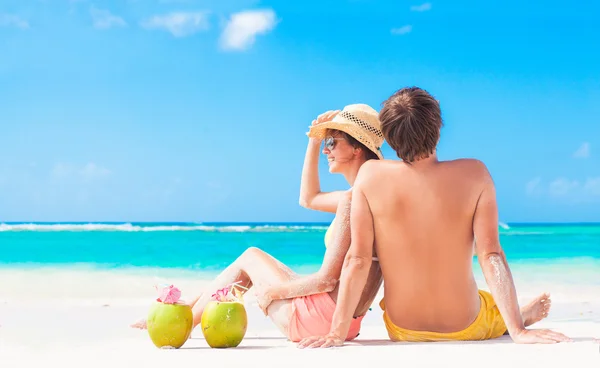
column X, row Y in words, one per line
column 495, row 268
column 354, row 272
column 492, row 259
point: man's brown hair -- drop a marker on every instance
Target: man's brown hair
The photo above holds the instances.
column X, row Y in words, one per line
column 411, row 121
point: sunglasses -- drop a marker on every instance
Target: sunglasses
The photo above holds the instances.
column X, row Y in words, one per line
column 330, row 142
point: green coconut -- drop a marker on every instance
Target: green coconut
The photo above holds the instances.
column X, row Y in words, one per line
column 169, row 325
column 224, row 324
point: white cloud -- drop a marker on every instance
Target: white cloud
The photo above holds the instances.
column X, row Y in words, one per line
column 583, row 151
column 88, row 172
column 243, row 27
column 402, row 30
column 92, row 171
column 572, row 190
column 9, row 20
column 562, row 187
column 421, row 8
column 180, row 24
column 61, row 170
column 103, row 19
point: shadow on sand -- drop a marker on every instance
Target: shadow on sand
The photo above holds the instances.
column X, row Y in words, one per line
column 241, row 347
column 250, row 338
column 500, row 340
column 385, row 342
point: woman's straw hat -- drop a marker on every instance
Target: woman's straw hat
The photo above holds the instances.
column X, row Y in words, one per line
column 358, row 120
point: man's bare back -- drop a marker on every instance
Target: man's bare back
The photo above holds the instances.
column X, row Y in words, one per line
column 423, row 221
column 423, row 217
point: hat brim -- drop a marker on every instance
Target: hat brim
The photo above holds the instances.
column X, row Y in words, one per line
column 319, row 132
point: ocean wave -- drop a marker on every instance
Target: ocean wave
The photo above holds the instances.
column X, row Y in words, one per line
column 513, row 232
column 128, row 227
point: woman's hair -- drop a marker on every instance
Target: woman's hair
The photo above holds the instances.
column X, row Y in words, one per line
column 369, row 155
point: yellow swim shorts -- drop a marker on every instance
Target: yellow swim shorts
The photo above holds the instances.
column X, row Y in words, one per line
column 489, row 324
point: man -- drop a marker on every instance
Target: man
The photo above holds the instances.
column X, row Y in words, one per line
column 422, row 217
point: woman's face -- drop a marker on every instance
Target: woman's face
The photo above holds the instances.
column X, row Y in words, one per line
column 338, row 150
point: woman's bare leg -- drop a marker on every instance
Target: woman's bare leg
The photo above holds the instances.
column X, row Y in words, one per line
column 195, row 300
column 253, row 268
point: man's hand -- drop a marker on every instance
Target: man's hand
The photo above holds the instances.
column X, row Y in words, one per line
column 321, row 341
column 539, row 337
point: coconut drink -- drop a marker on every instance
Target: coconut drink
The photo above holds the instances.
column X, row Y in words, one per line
column 169, row 319
column 224, row 320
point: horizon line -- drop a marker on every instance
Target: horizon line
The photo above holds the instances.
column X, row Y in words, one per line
column 271, row 222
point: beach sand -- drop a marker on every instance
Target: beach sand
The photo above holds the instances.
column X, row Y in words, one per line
column 80, row 318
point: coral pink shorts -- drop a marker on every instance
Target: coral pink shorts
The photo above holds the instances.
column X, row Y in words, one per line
column 312, row 315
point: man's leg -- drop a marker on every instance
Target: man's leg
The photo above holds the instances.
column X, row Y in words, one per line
column 536, row 310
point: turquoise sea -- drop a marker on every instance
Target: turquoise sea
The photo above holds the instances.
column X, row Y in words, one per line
column 207, row 248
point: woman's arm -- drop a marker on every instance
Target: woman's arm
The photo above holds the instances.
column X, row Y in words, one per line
column 328, row 275
column 310, row 188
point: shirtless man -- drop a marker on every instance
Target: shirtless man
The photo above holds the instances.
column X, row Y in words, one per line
column 422, row 216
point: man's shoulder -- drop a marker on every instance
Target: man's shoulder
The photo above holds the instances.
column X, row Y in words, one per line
column 374, row 172
column 372, row 168
column 469, row 165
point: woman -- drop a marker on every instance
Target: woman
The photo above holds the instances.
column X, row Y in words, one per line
column 304, row 306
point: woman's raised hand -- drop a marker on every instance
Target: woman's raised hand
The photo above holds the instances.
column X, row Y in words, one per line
column 324, row 117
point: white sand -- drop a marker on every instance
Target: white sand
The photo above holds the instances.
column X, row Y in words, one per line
column 81, row 319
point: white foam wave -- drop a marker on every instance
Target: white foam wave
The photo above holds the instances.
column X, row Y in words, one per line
column 69, row 227
column 128, row 227
column 504, row 226
column 528, row 233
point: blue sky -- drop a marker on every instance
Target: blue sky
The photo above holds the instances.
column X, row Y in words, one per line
column 184, row 110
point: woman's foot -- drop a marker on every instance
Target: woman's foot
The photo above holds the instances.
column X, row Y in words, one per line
column 536, row 310
column 141, row 324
